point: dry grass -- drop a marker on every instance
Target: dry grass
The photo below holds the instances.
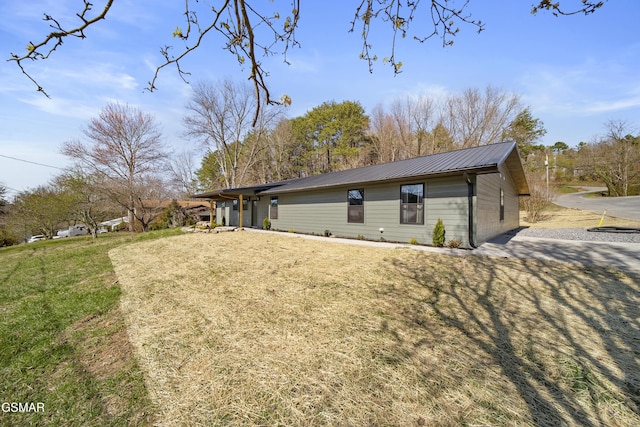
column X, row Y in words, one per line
column 557, row 217
column 241, row 329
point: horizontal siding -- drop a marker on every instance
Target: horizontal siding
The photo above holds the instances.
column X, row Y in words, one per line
column 314, row 212
column 447, row 200
column 488, row 206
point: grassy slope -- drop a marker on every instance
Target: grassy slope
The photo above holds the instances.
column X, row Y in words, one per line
column 260, row 329
column 62, row 338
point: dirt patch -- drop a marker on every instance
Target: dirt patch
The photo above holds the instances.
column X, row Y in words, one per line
column 104, row 351
column 261, row 329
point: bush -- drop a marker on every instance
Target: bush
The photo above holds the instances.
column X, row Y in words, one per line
column 413, row 241
column 538, row 200
column 266, row 224
column 438, row 234
column 454, row 243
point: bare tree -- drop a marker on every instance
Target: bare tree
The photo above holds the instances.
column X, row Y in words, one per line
column 152, row 196
column 615, row 159
column 251, row 29
column 220, row 117
column 88, row 202
column 282, row 157
column 183, row 173
column 124, row 146
column 386, row 138
column 478, row 118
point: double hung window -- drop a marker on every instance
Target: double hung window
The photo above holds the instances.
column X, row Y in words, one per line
column 412, row 204
column 356, row 206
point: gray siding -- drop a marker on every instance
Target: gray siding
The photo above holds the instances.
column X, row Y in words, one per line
column 314, row 212
column 488, row 206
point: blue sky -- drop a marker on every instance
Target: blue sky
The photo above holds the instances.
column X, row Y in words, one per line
column 575, row 73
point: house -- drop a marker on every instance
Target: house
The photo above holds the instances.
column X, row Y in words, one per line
column 475, row 191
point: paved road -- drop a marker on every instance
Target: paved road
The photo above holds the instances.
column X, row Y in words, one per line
column 619, row 207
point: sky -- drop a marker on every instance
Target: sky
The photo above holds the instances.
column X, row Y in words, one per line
column 574, row 73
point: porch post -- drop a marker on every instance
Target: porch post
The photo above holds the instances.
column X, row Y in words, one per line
column 212, row 213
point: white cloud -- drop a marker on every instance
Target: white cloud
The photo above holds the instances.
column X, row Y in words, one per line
column 583, row 89
column 62, row 107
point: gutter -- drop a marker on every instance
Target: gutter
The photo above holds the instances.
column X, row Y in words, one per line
column 472, row 242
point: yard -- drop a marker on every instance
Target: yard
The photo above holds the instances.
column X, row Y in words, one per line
column 244, row 328
column 262, row 329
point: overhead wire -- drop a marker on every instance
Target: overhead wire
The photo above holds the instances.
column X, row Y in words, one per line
column 29, row 161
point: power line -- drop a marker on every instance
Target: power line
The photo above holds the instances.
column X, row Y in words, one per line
column 29, row 161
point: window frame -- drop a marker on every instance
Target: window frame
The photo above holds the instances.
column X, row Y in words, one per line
column 501, row 205
column 355, row 211
column 273, row 208
column 418, row 206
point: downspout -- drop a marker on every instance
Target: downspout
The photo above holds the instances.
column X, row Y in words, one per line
column 472, row 242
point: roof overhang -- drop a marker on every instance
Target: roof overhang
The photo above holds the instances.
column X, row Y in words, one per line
column 234, row 193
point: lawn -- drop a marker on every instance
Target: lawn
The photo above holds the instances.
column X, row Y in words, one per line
column 64, row 346
column 251, row 328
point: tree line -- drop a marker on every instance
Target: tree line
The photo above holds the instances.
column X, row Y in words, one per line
column 123, row 167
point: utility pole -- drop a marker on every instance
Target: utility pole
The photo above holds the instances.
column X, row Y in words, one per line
column 546, row 164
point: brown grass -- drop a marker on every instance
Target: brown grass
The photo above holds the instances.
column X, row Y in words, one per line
column 247, row 328
column 557, row 217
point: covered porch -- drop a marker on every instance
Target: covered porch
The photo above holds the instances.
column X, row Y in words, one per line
column 238, row 207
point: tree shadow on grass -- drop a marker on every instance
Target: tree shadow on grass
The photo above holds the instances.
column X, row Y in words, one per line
column 565, row 337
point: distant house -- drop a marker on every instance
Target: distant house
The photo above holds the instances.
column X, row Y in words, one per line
column 475, row 191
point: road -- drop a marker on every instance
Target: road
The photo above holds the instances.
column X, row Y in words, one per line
column 619, row 207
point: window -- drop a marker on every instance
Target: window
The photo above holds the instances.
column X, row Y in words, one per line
column 245, row 204
column 235, row 205
column 273, row 208
column 412, row 204
column 356, row 206
column 501, row 205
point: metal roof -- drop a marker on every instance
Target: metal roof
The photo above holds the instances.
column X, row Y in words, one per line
column 484, row 159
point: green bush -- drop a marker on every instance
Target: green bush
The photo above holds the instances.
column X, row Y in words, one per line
column 413, row 241
column 438, row 234
column 266, row 224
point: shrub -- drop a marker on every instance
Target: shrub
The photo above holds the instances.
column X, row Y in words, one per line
column 327, row 233
column 454, row 243
column 266, row 224
column 438, row 234
column 413, row 241
column 360, row 237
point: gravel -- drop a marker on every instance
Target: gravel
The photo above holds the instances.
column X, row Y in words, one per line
column 580, row 234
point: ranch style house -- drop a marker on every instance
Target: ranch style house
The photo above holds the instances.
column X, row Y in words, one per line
column 475, row 191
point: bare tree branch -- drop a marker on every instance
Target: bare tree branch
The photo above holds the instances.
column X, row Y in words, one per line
column 587, row 8
column 56, row 37
column 249, row 32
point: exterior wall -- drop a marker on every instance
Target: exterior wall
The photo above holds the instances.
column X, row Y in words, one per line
column 314, row 212
column 488, row 206
column 232, row 217
column 223, row 210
